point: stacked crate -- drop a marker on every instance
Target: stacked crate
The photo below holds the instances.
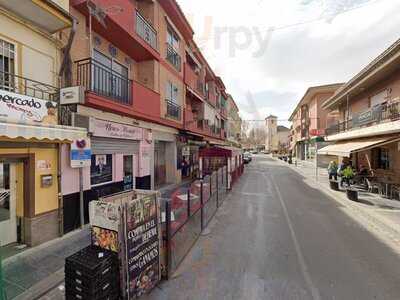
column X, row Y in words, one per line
column 92, row 274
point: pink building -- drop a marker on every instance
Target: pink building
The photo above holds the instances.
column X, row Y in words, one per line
column 310, row 120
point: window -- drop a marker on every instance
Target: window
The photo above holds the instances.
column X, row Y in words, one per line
column 7, row 65
column 172, row 38
column 381, row 158
column 101, row 169
column 379, row 98
column 172, row 93
column 110, row 78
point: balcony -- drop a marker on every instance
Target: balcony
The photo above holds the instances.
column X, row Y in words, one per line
column 173, row 110
column 146, row 31
column 45, row 15
column 28, row 87
column 193, row 81
column 174, row 58
column 386, row 112
column 101, row 80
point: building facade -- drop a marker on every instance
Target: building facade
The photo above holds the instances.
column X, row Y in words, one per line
column 31, row 60
column 145, row 94
column 367, row 132
column 234, row 122
column 309, row 121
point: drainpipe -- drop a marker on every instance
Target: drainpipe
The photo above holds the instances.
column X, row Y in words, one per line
column 66, row 72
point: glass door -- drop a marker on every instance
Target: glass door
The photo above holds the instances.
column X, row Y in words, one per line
column 8, row 217
column 128, row 172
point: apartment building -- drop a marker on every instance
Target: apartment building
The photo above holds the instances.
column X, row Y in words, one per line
column 31, row 63
column 144, row 92
column 369, row 121
column 234, row 126
column 309, row 121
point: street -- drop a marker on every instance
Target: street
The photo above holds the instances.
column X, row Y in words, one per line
column 277, row 238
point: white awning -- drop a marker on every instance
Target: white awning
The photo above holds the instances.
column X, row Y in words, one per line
column 40, row 133
column 345, row 148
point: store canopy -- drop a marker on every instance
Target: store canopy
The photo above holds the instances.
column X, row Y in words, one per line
column 40, row 133
column 345, row 148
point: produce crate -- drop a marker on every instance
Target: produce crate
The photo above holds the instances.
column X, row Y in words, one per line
column 92, row 273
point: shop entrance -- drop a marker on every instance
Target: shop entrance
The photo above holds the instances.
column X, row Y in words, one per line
column 8, row 195
column 160, row 169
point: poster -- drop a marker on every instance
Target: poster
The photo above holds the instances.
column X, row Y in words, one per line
column 105, row 238
column 142, row 245
column 24, row 109
column 104, row 215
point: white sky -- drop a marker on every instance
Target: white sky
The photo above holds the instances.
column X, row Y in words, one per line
column 268, row 52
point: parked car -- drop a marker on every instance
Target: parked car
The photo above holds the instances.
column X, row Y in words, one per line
column 247, row 157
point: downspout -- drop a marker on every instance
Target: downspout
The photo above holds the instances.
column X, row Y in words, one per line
column 66, row 74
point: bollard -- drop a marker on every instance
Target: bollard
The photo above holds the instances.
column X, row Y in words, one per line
column 201, row 205
column 168, row 234
column 188, row 203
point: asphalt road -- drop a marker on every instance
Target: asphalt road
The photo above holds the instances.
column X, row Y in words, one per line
column 278, row 238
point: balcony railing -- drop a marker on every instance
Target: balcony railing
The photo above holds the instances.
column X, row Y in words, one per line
column 146, row 31
column 173, row 110
column 379, row 114
column 24, row 86
column 103, row 81
column 173, row 57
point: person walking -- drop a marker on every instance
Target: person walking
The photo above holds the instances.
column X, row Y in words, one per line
column 342, row 166
column 332, row 170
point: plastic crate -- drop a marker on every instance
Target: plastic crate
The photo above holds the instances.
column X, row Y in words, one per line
column 109, row 273
column 91, row 261
column 112, row 295
column 106, row 285
column 104, row 291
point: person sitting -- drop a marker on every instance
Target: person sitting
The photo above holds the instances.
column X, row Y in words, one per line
column 332, row 170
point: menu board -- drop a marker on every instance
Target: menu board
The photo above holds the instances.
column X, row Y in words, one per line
column 142, row 246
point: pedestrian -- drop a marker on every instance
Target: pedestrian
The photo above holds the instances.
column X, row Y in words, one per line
column 342, row 166
column 332, row 170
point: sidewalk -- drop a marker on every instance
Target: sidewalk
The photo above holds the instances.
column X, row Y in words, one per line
column 28, row 274
column 380, row 215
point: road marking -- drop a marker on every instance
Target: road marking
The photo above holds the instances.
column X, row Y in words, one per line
column 314, row 291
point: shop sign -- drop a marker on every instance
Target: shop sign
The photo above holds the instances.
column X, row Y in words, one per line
column 43, row 165
column 317, row 132
column 115, row 130
column 142, row 246
column 81, row 153
column 27, row 110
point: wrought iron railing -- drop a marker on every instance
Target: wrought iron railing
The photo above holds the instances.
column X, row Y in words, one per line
column 100, row 79
column 376, row 115
column 173, row 110
column 146, row 31
column 200, row 87
column 24, row 86
column 173, row 57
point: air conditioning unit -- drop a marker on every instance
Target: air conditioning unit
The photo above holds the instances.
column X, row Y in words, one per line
column 82, row 122
column 72, row 95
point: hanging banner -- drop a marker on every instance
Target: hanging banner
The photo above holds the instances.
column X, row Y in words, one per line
column 27, row 110
column 142, row 246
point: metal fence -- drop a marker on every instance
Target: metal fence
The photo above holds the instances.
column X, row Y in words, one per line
column 188, row 211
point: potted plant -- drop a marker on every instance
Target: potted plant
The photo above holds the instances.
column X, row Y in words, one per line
column 348, row 175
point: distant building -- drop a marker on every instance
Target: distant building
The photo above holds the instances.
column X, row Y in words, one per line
column 277, row 137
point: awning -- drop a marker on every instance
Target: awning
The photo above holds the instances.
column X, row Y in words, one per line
column 345, row 148
column 41, row 133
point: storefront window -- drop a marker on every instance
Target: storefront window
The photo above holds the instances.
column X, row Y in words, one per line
column 381, row 158
column 4, row 192
column 101, row 169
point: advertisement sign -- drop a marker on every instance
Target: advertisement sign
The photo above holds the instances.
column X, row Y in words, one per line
column 115, row 130
column 81, row 153
column 372, row 115
column 27, row 110
column 142, row 246
column 104, row 215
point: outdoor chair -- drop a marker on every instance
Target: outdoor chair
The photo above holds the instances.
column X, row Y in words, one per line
column 374, row 186
column 395, row 190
